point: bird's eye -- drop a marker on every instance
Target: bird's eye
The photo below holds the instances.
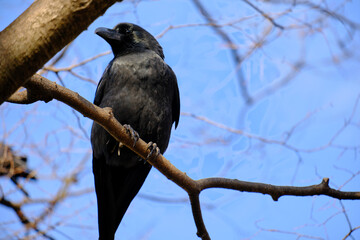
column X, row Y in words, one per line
column 124, row 30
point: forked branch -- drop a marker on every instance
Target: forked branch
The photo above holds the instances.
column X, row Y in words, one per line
column 40, row 88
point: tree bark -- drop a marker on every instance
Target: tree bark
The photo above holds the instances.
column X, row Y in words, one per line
column 38, row 34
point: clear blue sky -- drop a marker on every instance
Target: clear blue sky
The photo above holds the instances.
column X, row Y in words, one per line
column 317, row 110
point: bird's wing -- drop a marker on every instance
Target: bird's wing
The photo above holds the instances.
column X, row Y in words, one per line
column 176, row 97
column 101, row 85
column 99, row 92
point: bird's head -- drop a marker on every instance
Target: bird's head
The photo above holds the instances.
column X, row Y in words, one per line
column 128, row 38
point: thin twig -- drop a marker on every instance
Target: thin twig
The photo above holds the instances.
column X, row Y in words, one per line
column 235, row 55
column 264, row 15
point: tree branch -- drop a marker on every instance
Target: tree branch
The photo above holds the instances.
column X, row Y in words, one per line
column 38, row 34
column 106, row 119
column 28, row 96
column 277, row 191
column 199, row 222
column 24, row 220
column 264, row 15
column 237, row 58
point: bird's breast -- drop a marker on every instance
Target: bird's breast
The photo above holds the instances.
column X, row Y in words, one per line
column 138, row 93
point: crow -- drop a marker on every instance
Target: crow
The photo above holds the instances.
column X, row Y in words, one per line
column 143, row 93
column 14, row 166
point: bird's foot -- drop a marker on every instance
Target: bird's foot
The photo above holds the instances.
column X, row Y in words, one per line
column 119, row 147
column 132, row 133
column 154, row 151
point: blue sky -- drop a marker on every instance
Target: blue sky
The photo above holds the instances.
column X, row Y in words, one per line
column 318, row 106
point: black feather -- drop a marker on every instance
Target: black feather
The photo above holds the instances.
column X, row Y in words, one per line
column 142, row 90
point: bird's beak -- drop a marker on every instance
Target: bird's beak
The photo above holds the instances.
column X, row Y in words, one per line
column 110, row 35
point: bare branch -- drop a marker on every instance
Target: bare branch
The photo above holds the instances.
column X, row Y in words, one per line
column 30, row 41
column 351, row 231
column 71, row 67
column 277, row 191
column 235, row 55
column 285, row 143
column 28, row 97
column 21, row 215
column 199, row 222
column 264, row 14
column 106, row 119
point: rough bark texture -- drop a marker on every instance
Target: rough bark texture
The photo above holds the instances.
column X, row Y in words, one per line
column 38, row 34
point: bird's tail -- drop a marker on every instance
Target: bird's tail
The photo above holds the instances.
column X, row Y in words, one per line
column 115, row 188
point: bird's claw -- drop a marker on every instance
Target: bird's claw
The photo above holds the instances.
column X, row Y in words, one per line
column 132, row 133
column 119, row 147
column 154, row 150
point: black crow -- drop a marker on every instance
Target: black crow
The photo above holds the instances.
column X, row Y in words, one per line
column 143, row 93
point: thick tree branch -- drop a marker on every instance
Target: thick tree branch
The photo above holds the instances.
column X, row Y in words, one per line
column 106, row 119
column 38, row 34
column 28, row 96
